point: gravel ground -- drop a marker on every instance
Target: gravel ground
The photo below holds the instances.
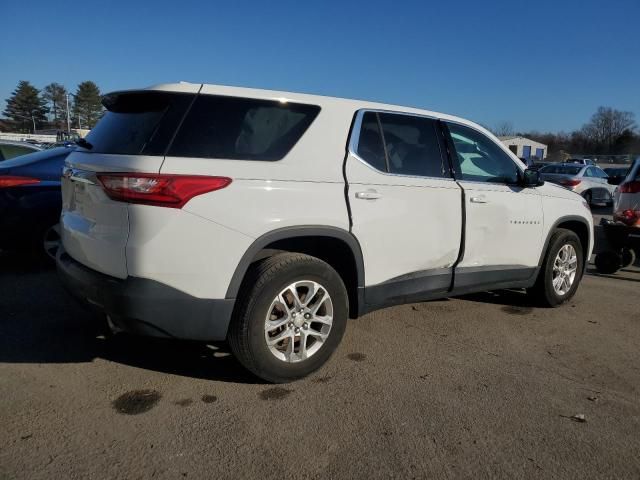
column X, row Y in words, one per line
column 482, row 386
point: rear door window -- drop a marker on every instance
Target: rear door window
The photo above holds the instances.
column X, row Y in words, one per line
column 401, row 144
column 241, row 128
column 138, row 122
column 412, row 145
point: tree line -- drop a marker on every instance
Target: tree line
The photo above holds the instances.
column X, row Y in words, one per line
column 608, row 132
column 29, row 108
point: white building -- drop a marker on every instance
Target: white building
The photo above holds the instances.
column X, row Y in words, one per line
column 525, row 147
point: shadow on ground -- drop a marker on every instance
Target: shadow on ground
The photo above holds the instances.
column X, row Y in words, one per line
column 40, row 323
column 510, row 299
column 619, row 275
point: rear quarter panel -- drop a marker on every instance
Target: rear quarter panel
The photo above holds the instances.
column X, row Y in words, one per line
column 306, row 187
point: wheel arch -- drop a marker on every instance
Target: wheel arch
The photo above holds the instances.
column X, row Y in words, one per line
column 336, row 246
column 577, row 225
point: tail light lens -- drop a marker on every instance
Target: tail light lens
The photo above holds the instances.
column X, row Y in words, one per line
column 172, row 191
column 631, row 187
column 7, row 181
column 570, row 183
column 628, row 217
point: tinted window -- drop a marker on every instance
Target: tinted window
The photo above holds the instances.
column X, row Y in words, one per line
column 589, row 172
column 370, row 147
column 412, row 145
column 12, row 151
column 241, row 128
column 481, row 160
column 138, row 123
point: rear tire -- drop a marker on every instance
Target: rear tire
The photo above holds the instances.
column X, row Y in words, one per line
column 608, row 262
column 273, row 304
column 554, row 284
column 588, row 197
column 51, row 242
column 628, row 257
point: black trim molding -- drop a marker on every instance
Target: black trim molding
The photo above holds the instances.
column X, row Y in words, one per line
column 295, row 232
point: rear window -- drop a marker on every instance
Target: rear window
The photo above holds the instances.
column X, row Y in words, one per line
column 138, row 123
column 11, row 151
column 407, row 144
column 241, row 128
column 561, row 169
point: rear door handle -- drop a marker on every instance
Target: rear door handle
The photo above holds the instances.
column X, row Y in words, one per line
column 368, row 195
column 480, row 199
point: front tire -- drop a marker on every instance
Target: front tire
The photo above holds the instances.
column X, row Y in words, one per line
column 290, row 317
column 561, row 270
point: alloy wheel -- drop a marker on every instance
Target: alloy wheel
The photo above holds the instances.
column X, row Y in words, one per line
column 565, row 267
column 298, row 321
column 51, row 241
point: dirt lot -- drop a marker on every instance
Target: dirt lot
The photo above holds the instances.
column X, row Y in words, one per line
column 478, row 387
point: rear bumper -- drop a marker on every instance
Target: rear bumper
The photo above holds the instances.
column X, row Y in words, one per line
column 146, row 307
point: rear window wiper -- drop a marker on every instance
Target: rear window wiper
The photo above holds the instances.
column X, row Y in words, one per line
column 84, row 144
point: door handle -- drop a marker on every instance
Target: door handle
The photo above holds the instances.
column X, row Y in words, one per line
column 368, row 195
column 480, row 199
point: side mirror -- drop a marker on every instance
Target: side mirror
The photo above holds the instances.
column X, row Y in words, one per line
column 531, row 178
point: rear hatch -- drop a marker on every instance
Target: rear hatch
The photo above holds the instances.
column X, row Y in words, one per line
column 132, row 136
column 553, row 178
column 565, row 175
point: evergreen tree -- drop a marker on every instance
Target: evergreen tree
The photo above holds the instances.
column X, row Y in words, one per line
column 26, row 107
column 56, row 94
column 87, row 105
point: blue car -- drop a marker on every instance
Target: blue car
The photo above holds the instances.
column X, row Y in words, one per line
column 30, row 200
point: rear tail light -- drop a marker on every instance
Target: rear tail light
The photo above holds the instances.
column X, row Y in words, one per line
column 172, row 191
column 628, row 217
column 631, row 187
column 570, row 183
column 7, row 181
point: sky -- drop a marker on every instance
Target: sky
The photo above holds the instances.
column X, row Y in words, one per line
column 540, row 65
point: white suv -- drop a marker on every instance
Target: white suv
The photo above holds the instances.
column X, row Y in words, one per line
column 268, row 218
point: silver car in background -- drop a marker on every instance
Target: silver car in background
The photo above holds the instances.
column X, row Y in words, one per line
column 588, row 180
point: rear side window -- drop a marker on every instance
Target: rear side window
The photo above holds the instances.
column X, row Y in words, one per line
column 241, row 128
column 406, row 145
column 600, row 173
column 138, row 123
